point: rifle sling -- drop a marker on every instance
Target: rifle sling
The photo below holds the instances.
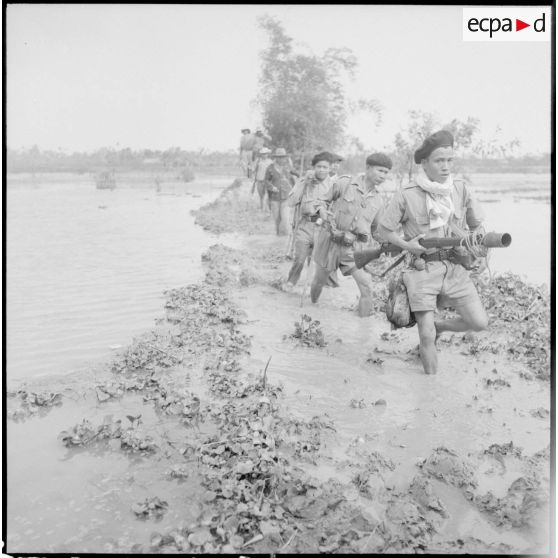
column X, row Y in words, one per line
column 392, row 266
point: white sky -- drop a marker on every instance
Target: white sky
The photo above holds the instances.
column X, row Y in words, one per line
column 81, row 77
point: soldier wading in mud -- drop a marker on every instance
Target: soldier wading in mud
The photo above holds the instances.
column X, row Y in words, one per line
column 435, row 205
column 279, row 182
column 310, row 199
column 355, row 211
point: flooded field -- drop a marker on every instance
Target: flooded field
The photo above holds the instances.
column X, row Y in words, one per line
column 86, row 268
column 248, row 440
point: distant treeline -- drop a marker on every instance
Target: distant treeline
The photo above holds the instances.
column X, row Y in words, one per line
column 117, row 160
column 121, row 160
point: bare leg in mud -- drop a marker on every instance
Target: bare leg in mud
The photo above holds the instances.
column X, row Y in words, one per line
column 427, row 337
column 362, row 279
column 472, row 318
column 320, row 279
column 364, row 283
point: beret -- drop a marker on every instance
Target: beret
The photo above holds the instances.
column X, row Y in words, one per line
column 378, row 160
column 323, row 156
column 441, row 138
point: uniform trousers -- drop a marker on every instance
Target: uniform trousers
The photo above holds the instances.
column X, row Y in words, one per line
column 280, row 212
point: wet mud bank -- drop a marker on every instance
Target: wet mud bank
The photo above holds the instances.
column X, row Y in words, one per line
column 250, row 420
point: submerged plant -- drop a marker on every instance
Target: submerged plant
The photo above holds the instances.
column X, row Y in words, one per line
column 309, row 332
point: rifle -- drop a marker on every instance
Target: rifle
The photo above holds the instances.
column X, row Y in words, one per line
column 294, row 225
column 292, row 233
column 488, row 240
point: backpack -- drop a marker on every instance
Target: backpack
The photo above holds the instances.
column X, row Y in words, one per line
column 398, row 311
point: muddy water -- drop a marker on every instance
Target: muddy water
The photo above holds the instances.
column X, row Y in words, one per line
column 86, row 268
column 453, row 409
column 74, row 501
column 80, row 502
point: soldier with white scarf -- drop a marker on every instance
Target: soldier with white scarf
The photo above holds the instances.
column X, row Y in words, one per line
column 435, row 205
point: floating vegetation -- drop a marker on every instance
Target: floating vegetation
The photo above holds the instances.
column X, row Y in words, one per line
column 85, row 434
column 150, row 507
column 308, row 332
column 23, row 404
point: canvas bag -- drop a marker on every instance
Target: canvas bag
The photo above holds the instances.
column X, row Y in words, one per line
column 398, row 311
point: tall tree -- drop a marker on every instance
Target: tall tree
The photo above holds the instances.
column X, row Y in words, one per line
column 301, row 96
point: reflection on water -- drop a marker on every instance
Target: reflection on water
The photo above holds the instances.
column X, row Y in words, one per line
column 518, row 204
column 80, row 501
column 86, row 268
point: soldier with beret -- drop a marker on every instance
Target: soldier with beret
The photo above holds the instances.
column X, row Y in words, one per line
column 279, row 182
column 309, row 200
column 433, row 205
column 355, row 211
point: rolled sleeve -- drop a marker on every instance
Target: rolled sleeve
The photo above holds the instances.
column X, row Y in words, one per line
column 377, row 218
column 393, row 214
column 295, row 195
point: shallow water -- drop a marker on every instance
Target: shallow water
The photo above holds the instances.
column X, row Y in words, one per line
column 80, row 501
column 453, row 409
column 83, row 504
column 86, row 268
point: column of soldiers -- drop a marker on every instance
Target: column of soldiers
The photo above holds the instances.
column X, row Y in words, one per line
column 332, row 217
column 251, row 145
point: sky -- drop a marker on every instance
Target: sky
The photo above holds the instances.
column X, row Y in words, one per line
column 80, row 77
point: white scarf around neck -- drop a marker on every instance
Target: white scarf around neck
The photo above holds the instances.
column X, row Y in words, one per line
column 438, row 199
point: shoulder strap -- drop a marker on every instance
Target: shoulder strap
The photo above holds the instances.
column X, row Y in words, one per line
column 410, row 185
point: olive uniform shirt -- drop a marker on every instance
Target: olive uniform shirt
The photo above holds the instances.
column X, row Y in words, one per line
column 408, row 208
column 312, row 194
column 441, row 283
column 355, row 208
column 261, row 167
column 280, row 178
